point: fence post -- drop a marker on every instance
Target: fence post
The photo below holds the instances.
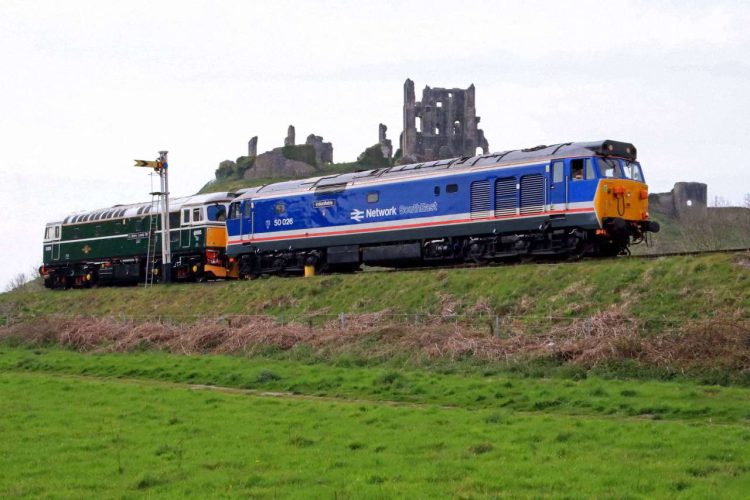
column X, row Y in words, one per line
column 497, row 326
column 342, row 320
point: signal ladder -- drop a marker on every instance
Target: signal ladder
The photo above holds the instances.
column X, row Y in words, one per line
column 153, row 228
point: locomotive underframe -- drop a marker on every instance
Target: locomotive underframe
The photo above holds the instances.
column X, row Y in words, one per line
column 553, row 238
column 121, row 271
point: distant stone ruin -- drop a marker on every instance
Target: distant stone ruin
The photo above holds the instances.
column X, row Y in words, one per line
column 386, row 146
column 323, row 150
column 290, row 139
column 687, row 200
column 442, row 125
column 291, row 160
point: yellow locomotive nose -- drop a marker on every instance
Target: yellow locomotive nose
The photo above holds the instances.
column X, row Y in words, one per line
column 621, row 199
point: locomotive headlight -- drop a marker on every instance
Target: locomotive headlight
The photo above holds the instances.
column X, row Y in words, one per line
column 195, row 268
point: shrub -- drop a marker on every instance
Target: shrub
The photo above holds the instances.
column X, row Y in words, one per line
column 302, row 152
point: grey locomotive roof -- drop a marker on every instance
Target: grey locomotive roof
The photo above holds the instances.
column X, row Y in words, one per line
column 140, row 209
column 564, row 150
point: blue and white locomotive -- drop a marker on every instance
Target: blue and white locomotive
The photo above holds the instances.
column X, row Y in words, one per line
column 567, row 199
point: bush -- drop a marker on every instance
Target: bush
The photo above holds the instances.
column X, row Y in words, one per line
column 226, row 169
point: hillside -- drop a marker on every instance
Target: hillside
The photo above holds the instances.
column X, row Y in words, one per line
column 722, row 228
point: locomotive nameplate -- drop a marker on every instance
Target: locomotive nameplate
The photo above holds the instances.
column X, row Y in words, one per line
column 324, row 203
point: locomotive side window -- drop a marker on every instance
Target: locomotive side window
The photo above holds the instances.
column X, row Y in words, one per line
column 451, row 188
column 234, row 210
column 557, row 172
column 57, row 232
column 248, row 208
column 174, row 219
column 373, row 197
column 576, row 169
column 197, row 215
column 437, row 190
column 186, row 216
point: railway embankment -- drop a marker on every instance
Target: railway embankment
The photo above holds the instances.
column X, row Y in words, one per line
column 663, row 317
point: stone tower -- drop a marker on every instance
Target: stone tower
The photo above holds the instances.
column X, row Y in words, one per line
column 442, row 125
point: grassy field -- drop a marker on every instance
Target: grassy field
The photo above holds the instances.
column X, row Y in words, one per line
column 332, row 411
column 675, row 287
column 111, row 425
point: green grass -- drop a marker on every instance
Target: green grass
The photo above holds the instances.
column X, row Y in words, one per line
column 75, row 436
column 674, row 287
column 457, row 385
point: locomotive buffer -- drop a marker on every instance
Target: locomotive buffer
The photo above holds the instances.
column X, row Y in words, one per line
column 161, row 167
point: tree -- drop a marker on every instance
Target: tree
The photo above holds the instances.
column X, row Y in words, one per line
column 373, row 157
column 18, row 281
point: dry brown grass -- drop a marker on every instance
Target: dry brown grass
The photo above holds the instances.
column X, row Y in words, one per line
column 604, row 337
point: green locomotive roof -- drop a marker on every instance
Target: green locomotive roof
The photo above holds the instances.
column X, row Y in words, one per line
column 140, row 209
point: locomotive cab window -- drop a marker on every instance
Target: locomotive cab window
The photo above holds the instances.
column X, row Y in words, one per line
column 451, row 188
column 216, row 213
column 373, row 197
column 609, row 167
column 186, row 216
column 589, row 171
column 632, row 171
column 197, row 215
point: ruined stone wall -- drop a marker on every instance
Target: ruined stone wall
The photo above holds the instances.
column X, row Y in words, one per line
column 687, row 200
column 323, row 150
column 386, row 146
column 443, row 124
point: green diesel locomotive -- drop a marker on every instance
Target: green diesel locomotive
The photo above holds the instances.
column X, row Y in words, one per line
column 121, row 245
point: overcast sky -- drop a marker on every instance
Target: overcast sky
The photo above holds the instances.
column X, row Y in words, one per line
column 86, row 87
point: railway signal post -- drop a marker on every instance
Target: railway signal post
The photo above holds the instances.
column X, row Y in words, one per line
column 161, row 167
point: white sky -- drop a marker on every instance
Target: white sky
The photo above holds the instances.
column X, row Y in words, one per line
column 86, row 87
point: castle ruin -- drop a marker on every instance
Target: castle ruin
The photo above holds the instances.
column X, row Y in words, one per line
column 442, row 125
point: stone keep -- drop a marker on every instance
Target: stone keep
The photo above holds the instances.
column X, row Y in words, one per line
column 442, row 125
